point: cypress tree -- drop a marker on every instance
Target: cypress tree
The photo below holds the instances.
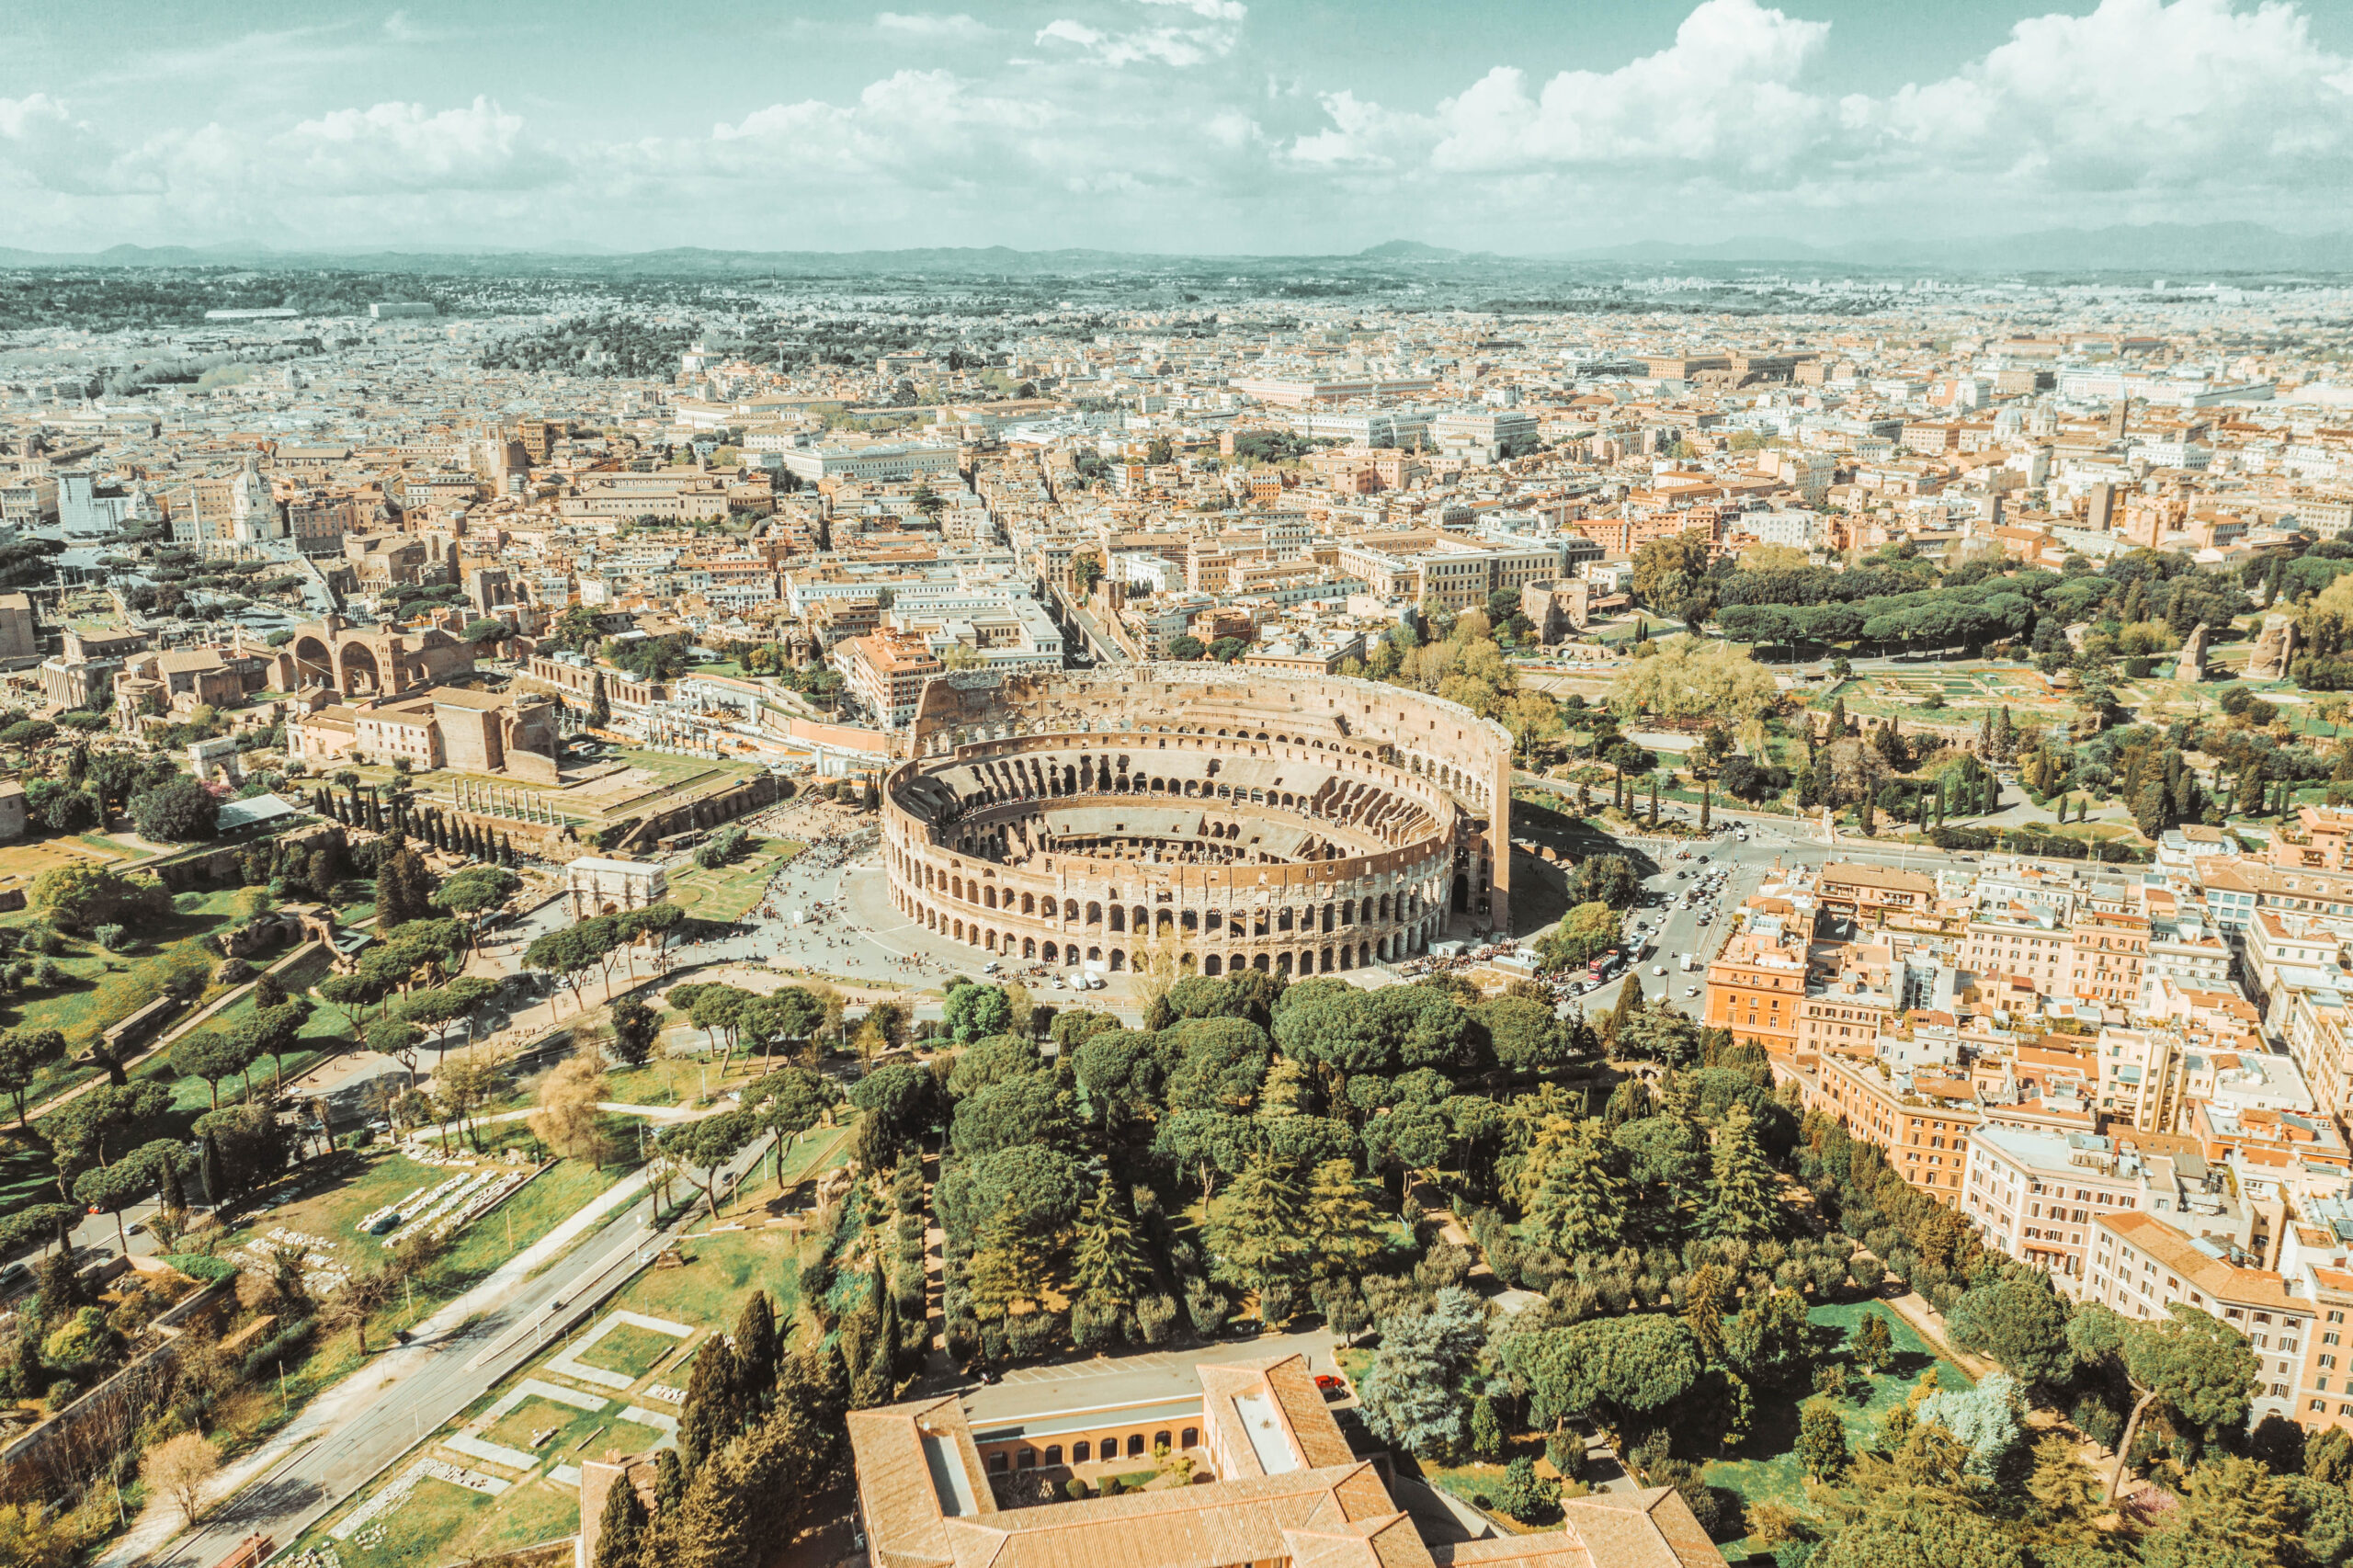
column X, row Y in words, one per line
column 600, row 708
column 1744, row 1201
column 669, row 1480
column 621, row 1536
column 174, row 1195
column 216, row 1175
column 712, row 1415
column 1653, row 802
column 756, row 1350
column 1107, row 1272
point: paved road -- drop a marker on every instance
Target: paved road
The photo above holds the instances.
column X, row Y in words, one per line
column 402, row 1396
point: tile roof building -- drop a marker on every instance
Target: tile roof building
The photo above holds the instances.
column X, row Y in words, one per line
column 1276, row 1486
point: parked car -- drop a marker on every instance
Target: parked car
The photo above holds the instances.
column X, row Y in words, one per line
column 1331, row 1386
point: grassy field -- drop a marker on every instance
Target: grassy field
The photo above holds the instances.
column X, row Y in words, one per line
column 668, row 771
column 28, row 860
column 721, row 1272
column 439, row 1523
column 99, row 989
column 725, row 894
column 366, row 1183
column 1765, row 1468
column 724, row 1268
column 569, row 1428
column 628, row 1350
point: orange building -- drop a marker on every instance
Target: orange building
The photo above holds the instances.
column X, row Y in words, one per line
column 1755, row 989
column 1923, row 1129
column 1873, row 890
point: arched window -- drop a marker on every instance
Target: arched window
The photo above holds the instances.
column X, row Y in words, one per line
column 1080, row 1451
column 1192, row 1439
column 1029, row 1459
column 1135, row 1445
column 1054, row 1454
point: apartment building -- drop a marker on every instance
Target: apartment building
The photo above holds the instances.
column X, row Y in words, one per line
column 1921, row 1124
column 2035, row 1196
column 2140, row 1267
column 2018, row 942
column 2104, row 956
column 1757, row 989
column 1870, row 894
column 1846, row 1015
column 884, row 674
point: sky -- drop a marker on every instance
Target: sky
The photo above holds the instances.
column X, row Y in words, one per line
column 1195, row 127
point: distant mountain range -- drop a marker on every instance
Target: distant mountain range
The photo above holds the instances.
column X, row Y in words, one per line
column 2152, row 248
column 2166, row 250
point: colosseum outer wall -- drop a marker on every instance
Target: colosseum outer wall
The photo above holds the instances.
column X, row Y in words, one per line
column 1413, row 804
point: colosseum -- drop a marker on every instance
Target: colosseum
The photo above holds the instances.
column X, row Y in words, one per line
column 1225, row 818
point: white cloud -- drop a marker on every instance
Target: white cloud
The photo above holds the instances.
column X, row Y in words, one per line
column 1231, row 11
column 1178, row 46
column 2171, row 100
column 2136, row 93
column 397, row 146
column 49, row 145
column 1146, row 122
column 959, row 28
column 1726, row 88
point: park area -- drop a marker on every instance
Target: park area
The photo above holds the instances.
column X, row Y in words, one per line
column 1765, row 1468
column 505, row 1473
column 725, row 894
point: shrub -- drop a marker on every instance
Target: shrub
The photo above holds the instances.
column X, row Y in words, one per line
column 1156, row 1318
column 1076, row 1490
column 1207, row 1306
column 1094, row 1328
column 198, row 1265
column 110, row 937
column 1566, row 1451
column 1032, row 1335
column 963, row 1340
column 1527, row 1496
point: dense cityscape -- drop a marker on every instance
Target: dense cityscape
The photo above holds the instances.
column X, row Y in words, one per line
column 1641, row 905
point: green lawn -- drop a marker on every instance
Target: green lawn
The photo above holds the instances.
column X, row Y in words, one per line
column 721, row 1272
column 99, row 989
column 1765, row 1469
column 368, row 1182
column 630, row 1350
column 571, row 1428
column 725, row 894
column 439, row 1523
column 722, row 1269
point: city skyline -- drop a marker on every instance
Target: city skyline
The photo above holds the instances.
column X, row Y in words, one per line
column 1178, row 125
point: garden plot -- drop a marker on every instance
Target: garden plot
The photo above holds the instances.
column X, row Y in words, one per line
column 571, row 1365
column 356, row 1527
